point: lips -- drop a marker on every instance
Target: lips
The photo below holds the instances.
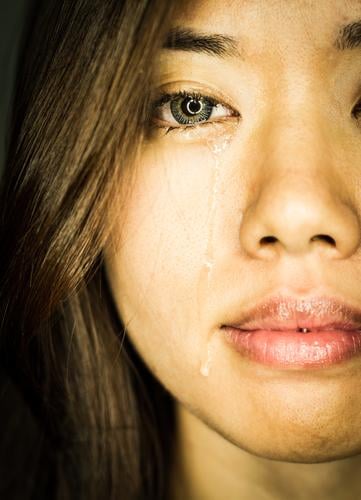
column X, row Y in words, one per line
column 286, row 332
column 287, row 313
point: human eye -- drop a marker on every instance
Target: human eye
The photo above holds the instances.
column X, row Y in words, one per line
column 187, row 108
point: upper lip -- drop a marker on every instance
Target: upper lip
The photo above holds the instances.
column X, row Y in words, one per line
column 285, row 313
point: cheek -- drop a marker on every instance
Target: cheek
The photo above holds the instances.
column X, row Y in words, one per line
column 157, row 269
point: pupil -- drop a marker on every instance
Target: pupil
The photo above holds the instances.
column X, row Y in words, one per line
column 192, row 106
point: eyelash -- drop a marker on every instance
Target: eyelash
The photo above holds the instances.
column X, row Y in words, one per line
column 166, row 97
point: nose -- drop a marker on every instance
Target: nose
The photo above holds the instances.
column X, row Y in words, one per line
column 302, row 203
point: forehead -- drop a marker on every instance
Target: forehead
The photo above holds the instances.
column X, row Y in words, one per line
column 269, row 25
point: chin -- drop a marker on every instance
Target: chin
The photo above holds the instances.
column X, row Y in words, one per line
column 306, row 452
column 305, row 456
column 309, row 446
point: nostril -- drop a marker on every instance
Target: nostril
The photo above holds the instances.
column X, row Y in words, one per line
column 324, row 237
column 268, row 239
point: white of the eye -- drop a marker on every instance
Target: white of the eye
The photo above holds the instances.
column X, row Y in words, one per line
column 219, row 110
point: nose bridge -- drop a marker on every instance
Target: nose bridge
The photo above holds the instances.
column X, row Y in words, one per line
column 299, row 158
column 297, row 128
column 300, row 201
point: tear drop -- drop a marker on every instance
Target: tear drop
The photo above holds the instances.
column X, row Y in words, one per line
column 206, row 363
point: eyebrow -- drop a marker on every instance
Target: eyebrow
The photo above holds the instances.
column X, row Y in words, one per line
column 213, row 44
column 349, row 36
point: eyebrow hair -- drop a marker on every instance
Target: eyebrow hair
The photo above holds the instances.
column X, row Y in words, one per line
column 212, row 44
column 186, row 39
column 349, row 36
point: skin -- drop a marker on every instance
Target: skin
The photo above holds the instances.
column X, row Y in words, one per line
column 185, row 253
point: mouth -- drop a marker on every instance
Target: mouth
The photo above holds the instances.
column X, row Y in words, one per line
column 287, row 332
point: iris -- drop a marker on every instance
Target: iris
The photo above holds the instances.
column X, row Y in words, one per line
column 190, row 110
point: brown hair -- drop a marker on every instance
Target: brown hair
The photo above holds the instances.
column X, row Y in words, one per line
column 81, row 416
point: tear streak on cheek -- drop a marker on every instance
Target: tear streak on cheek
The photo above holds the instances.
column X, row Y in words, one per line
column 217, row 146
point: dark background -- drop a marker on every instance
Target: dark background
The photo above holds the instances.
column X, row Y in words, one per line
column 11, row 18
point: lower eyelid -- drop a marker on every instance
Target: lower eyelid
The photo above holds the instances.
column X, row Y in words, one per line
column 193, row 133
column 163, row 124
column 198, row 130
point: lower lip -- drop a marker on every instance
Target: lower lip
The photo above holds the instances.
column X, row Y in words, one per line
column 285, row 349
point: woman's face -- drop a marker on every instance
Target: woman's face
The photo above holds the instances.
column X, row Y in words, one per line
column 276, row 153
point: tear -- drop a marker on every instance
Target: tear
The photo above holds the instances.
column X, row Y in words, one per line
column 217, row 147
column 207, row 359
